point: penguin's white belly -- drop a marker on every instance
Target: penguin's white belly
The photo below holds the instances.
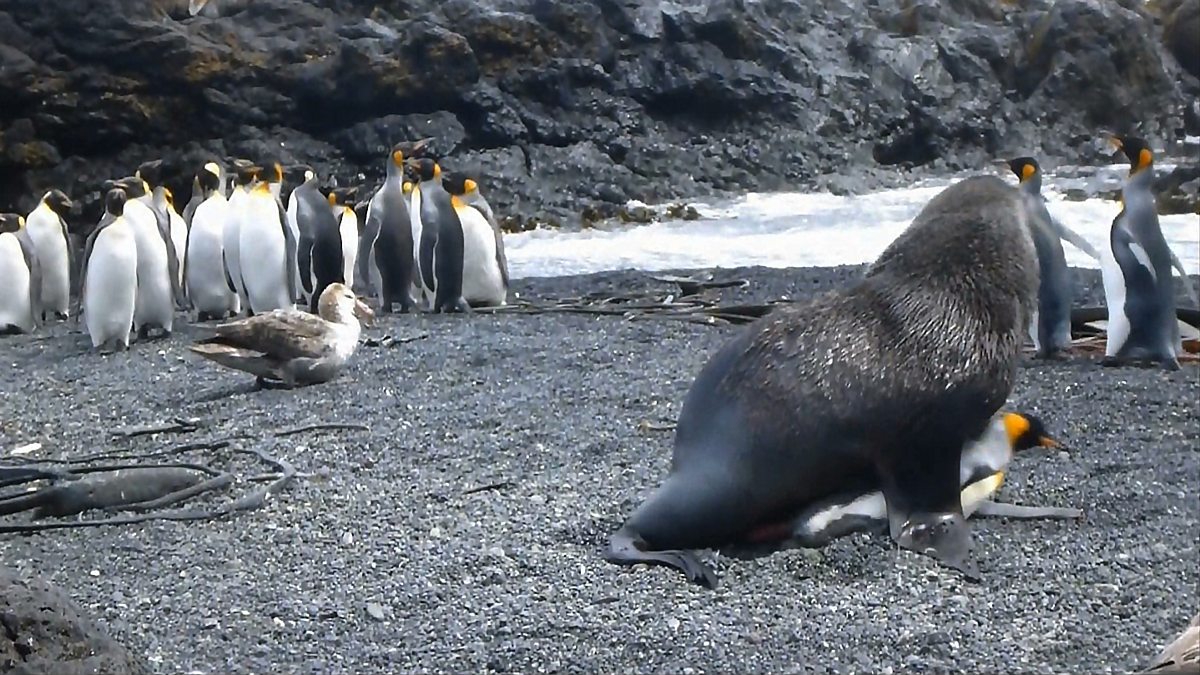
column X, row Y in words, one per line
column 154, row 306
column 205, row 271
column 110, row 290
column 263, row 251
column 47, row 235
column 1113, row 279
column 231, row 238
column 15, row 308
column 349, row 231
column 179, row 239
column 482, row 282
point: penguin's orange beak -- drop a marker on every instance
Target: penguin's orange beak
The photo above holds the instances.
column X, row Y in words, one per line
column 1047, row 442
column 363, row 312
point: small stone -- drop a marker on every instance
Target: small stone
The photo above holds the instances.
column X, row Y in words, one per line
column 347, row 538
column 209, row 624
column 673, row 624
column 95, row 573
column 375, row 611
column 537, row 499
column 435, row 532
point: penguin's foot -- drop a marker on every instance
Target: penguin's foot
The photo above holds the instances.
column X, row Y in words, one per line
column 1140, row 362
column 10, row 329
column 942, row 536
column 625, row 548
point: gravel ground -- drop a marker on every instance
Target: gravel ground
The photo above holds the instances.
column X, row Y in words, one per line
column 397, row 561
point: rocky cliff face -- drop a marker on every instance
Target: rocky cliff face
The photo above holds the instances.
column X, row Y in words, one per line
column 570, row 106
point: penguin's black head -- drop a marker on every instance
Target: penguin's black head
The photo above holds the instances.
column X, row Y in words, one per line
column 114, row 201
column 457, row 183
column 1026, row 431
column 208, row 180
column 343, row 196
column 58, row 202
column 410, row 149
column 274, row 171
column 1024, row 167
column 247, row 174
column 427, row 169
column 11, row 222
column 133, row 186
column 151, row 172
column 1136, row 149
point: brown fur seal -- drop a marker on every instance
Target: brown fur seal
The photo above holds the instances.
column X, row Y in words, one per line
column 879, row 385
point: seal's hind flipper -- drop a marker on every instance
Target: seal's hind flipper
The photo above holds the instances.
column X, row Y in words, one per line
column 942, row 536
column 1002, row 510
column 623, row 549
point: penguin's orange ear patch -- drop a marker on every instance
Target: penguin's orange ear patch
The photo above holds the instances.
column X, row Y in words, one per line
column 456, row 202
column 469, row 186
column 1016, row 425
column 398, row 157
column 1145, row 157
column 1027, row 171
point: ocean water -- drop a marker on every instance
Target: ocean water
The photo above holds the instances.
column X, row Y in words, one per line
column 795, row 229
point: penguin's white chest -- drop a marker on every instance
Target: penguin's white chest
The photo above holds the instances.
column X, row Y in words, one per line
column 349, row 230
column 15, row 308
column 205, row 271
column 482, row 281
column 231, row 235
column 1113, row 279
column 179, row 235
column 155, row 304
column 262, row 248
column 46, row 230
column 110, row 289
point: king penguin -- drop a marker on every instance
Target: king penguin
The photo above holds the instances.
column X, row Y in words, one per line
column 1050, row 327
column 47, row 227
column 266, row 251
column 21, row 297
column 320, row 251
column 156, row 263
column 204, row 260
column 1138, row 289
column 343, row 211
column 386, row 255
column 110, row 279
column 440, row 262
column 236, row 214
column 484, row 266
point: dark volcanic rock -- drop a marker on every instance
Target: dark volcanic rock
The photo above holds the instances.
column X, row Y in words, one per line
column 44, row 631
column 572, row 105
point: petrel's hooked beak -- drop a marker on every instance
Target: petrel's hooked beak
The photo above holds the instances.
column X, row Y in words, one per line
column 363, row 312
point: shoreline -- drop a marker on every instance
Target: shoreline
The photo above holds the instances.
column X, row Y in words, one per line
column 462, row 529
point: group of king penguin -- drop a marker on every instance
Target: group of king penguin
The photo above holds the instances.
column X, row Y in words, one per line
column 1136, row 269
column 428, row 240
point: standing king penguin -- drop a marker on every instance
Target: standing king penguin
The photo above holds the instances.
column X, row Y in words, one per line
column 161, row 202
column 880, row 384
column 386, row 255
column 236, row 215
column 204, row 260
column 1138, row 288
column 110, row 279
column 47, row 227
column 320, row 250
column 343, row 211
column 1050, row 327
column 21, row 296
column 484, row 266
column 156, row 263
column 266, row 251
column 440, row 259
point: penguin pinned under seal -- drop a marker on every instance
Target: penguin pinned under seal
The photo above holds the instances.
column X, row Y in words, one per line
column 1138, row 288
column 386, row 257
column 484, row 266
column 21, row 297
column 47, row 228
column 343, row 211
column 321, row 262
column 204, row 264
column 110, row 278
column 1050, row 327
column 880, row 384
column 983, row 467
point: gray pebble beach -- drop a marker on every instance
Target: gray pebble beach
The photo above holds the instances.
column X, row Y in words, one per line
column 463, row 530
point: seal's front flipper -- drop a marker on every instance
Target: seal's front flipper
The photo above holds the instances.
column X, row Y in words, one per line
column 1002, row 510
column 625, row 548
column 942, row 536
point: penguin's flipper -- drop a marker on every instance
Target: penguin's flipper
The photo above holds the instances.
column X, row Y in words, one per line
column 1187, row 281
column 1075, row 239
column 304, row 260
column 29, row 251
column 66, row 233
column 481, row 205
column 164, row 229
column 83, row 264
column 991, row 509
column 290, row 245
column 366, row 242
column 228, row 277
